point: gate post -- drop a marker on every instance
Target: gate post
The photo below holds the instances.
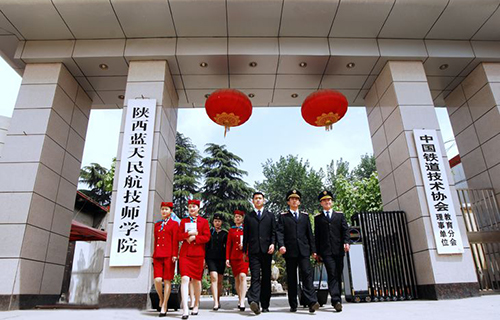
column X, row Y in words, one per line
column 128, row 287
column 399, row 102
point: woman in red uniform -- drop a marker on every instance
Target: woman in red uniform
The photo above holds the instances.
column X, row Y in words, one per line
column 166, row 247
column 194, row 233
column 235, row 258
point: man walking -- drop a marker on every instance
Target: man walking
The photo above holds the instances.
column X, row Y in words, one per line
column 259, row 237
column 332, row 241
column 296, row 243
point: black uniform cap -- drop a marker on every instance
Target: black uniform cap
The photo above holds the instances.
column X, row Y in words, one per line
column 293, row 194
column 325, row 195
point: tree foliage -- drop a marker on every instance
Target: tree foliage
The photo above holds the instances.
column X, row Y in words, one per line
column 224, row 189
column 334, row 170
column 286, row 174
column 358, row 195
column 94, row 176
column 365, row 168
column 187, row 173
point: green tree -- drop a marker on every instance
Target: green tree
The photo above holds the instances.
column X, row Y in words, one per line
column 224, row 190
column 335, row 170
column 107, row 181
column 358, row 195
column 286, row 174
column 365, row 168
column 187, row 173
column 93, row 176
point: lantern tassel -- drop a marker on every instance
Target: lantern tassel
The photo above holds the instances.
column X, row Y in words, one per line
column 226, row 130
column 329, row 127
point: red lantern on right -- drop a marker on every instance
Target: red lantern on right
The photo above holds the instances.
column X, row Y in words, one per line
column 323, row 108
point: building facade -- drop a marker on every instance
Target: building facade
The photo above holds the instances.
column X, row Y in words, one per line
column 398, row 59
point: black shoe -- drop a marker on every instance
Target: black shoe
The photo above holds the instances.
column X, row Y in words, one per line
column 337, row 306
column 194, row 313
column 215, row 308
column 241, row 308
column 265, row 309
column 313, row 307
column 162, row 314
column 185, row 316
column 292, row 309
column 254, row 306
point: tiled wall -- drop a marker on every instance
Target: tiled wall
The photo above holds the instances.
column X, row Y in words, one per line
column 474, row 109
column 398, row 102
column 39, row 172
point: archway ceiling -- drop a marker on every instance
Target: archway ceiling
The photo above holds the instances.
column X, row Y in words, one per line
column 230, row 34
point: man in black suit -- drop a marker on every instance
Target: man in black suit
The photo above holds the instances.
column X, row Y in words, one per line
column 332, row 241
column 259, row 237
column 296, row 243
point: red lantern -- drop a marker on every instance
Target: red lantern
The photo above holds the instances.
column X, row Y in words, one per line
column 228, row 108
column 323, row 108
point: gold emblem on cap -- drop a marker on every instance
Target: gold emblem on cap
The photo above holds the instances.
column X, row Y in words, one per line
column 324, row 192
column 294, row 191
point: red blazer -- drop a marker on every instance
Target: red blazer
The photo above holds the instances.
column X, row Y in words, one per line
column 166, row 242
column 197, row 247
column 233, row 244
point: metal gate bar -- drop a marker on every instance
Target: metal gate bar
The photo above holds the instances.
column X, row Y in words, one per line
column 386, row 244
column 482, row 221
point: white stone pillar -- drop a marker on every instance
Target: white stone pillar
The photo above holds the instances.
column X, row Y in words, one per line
column 398, row 102
column 474, row 109
column 39, row 171
column 128, row 287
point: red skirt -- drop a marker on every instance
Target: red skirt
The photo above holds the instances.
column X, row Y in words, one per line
column 164, row 268
column 239, row 266
column 191, row 267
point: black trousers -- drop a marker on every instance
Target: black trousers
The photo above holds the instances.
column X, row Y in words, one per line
column 334, row 266
column 260, row 283
column 305, row 270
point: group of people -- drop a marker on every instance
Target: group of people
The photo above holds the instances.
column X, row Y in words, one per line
column 250, row 243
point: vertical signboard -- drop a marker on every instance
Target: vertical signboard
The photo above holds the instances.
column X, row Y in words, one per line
column 437, row 190
column 130, row 211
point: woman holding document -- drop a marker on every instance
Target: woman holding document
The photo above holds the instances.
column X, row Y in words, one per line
column 235, row 259
column 194, row 233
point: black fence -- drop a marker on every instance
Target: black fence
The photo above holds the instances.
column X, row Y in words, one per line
column 387, row 253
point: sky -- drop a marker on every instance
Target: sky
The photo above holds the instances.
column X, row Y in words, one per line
column 268, row 134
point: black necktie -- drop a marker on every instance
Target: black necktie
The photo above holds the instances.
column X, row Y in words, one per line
column 258, row 214
column 296, row 215
column 327, row 213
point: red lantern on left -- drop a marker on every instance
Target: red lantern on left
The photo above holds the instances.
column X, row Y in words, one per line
column 228, row 108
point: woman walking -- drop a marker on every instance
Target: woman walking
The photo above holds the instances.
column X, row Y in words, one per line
column 235, row 259
column 194, row 233
column 166, row 247
column 216, row 258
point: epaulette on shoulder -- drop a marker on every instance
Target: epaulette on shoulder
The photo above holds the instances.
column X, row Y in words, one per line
column 303, row 212
column 317, row 214
column 284, row 212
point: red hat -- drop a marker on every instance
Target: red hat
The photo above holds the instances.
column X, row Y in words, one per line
column 167, row 204
column 194, row 201
column 242, row 213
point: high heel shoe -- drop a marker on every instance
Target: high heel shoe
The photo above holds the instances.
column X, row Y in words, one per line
column 185, row 316
column 215, row 308
column 194, row 313
column 242, row 308
column 162, row 314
